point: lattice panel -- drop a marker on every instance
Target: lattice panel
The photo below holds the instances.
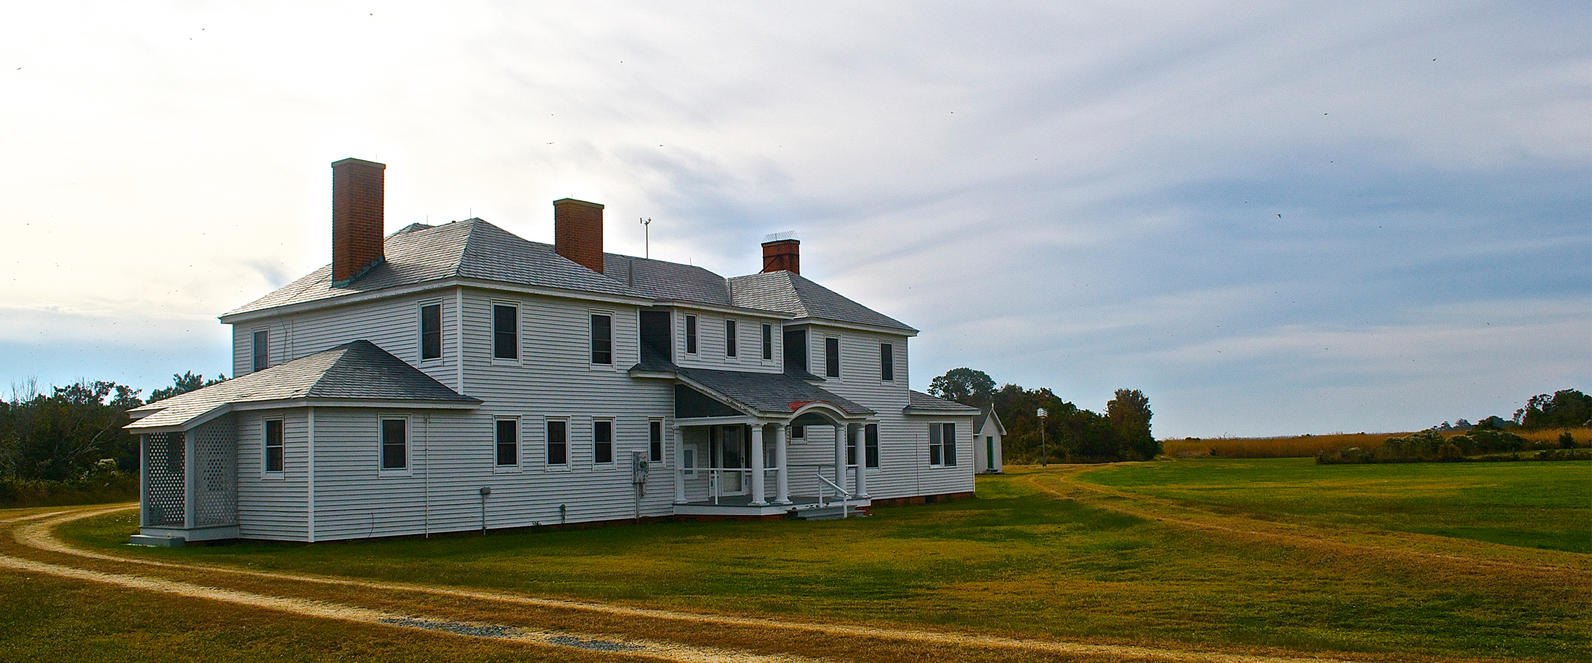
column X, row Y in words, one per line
column 215, row 450
column 163, row 480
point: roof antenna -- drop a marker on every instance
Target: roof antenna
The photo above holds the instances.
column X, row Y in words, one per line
column 646, row 237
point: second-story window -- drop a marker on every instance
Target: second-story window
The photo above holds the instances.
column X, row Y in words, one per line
column 262, row 353
column 729, row 338
column 768, row 341
column 886, row 362
column 832, row 357
column 430, row 331
column 690, row 335
column 602, row 339
column 505, row 331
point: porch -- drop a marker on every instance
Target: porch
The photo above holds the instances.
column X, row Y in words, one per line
column 741, row 506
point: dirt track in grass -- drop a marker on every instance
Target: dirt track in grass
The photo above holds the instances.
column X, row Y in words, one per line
column 514, row 619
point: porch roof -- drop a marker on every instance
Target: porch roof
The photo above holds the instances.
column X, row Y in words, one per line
column 352, row 373
column 776, row 395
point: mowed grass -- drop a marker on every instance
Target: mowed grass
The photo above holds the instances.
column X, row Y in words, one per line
column 1021, row 562
column 1530, row 504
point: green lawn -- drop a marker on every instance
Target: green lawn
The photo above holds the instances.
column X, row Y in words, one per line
column 1020, row 561
column 1530, row 504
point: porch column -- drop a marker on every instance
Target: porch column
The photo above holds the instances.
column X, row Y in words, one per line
column 841, row 431
column 782, row 476
column 757, row 465
column 190, row 471
column 143, row 480
column 861, row 439
column 679, row 465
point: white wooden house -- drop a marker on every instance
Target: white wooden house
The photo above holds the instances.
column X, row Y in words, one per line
column 987, row 434
column 458, row 377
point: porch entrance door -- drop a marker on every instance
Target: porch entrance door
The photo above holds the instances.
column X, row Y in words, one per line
column 732, row 452
column 989, row 452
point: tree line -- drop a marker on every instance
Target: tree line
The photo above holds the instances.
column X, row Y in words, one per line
column 1070, row 433
column 1565, row 408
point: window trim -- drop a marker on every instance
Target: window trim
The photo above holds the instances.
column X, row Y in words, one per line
column 835, row 356
column 420, row 337
column 768, row 343
column 940, row 427
column 519, row 443
column 259, row 351
column 661, row 460
column 265, row 448
column 613, row 443
column 519, row 342
column 591, row 340
column 547, row 443
column 886, row 351
column 690, row 335
column 877, row 460
column 798, row 434
column 381, row 446
column 732, row 346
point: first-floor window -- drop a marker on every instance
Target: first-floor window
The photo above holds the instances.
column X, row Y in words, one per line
column 557, row 442
column 655, row 441
column 508, row 442
column 602, row 442
column 942, row 444
column 394, row 444
column 870, row 439
column 273, row 446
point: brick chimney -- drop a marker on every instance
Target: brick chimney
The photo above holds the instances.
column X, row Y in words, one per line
column 782, row 254
column 357, row 224
column 578, row 232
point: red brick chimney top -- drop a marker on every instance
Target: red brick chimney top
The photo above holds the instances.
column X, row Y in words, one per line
column 358, row 190
column 578, row 232
column 782, row 254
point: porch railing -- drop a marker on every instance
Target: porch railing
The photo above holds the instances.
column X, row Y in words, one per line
column 845, row 497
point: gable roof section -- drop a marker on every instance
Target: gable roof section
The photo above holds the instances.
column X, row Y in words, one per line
column 357, row 371
column 772, row 393
column 921, row 403
column 985, row 413
column 669, row 281
column 800, row 296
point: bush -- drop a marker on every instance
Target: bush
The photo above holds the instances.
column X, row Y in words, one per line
column 1566, row 440
column 98, row 485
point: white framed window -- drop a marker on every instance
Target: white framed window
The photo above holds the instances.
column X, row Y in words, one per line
column 831, row 357
column 505, row 332
column 602, row 442
column 557, row 443
column 394, row 433
column 729, row 339
column 260, row 345
column 870, row 439
column 851, row 445
column 655, row 441
column 506, row 443
column 690, row 334
column 768, row 342
column 273, row 449
column 430, row 331
column 798, row 433
column 600, row 332
column 886, row 362
column 942, row 445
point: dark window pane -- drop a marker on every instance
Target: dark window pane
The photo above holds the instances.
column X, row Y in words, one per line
column 602, row 433
column 886, row 362
column 832, row 357
column 505, row 332
column 768, row 341
column 851, row 447
column 394, row 445
column 602, row 339
column 273, row 445
column 798, row 430
column 508, row 442
column 261, row 352
column 431, row 331
column 690, row 334
column 950, row 444
column 655, row 441
column 729, row 338
column 934, row 444
column 871, row 440
column 557, row 443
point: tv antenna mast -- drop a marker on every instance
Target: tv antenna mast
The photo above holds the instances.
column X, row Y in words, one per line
column 646, row 236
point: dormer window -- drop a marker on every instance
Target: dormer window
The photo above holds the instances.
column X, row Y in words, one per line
column 729, row 338
column 261, row 351
column 690, row 335
column 831, row 357
column 768, row 341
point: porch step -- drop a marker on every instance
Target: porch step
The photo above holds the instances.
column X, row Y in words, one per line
column 158, row 541
column 831, row 512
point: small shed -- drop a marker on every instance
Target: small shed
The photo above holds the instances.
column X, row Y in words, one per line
column 987, row 434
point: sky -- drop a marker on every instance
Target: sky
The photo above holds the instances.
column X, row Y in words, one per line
column 1271, row 218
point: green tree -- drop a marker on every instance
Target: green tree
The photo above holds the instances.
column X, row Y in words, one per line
column 1130, row 414
column 1566, row 408
column 182, row 384
column 965, row 386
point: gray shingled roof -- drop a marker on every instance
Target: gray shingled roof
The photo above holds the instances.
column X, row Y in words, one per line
column 921, row 403
column 768, row 392
column 799, row 296
column 479, row 250
column 356, row 371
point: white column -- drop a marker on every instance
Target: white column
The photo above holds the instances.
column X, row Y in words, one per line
column 782, row 476
column 862, row 460
column 679, row 466
column 757, row 465
column 190, row 472
column 841, row 431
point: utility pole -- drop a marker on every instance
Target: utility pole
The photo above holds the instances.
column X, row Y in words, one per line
column 646, row 237
column 1042, row 437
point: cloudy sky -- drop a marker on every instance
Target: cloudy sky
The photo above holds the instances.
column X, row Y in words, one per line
column 1300, row 217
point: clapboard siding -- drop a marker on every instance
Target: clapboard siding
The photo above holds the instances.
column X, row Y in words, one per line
column 269, row 507
column 393, row 324
column 710, row 342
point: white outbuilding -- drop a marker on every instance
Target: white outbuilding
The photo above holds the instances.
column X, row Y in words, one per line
column 987, row 433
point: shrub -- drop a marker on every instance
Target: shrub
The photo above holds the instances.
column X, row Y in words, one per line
column 1566, row 440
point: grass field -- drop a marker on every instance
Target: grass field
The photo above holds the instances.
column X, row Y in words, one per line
column 1309, row 445
column 1247, row 555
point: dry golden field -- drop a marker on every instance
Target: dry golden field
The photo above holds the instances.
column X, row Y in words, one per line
column 1309, row 445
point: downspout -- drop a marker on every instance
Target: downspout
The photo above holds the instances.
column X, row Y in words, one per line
column 310, row 488
column 458, row 340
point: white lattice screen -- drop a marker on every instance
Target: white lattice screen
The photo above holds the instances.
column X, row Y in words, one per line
column 215, row 451
column 163, row 481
